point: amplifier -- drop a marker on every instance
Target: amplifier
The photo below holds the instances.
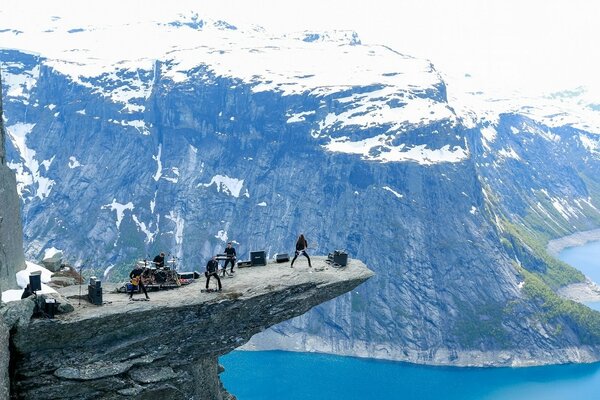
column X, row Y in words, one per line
column 258, row 258
column 189, row 275
column 244, row 264
column 95, row 295
column 35, row 281
column 340, row 258
column 281, row 258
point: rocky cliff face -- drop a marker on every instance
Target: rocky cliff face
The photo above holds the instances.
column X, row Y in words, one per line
column 166, row 348
column 11, row 231
column 184, row 147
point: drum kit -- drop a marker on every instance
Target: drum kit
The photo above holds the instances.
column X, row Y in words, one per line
column 155, row 276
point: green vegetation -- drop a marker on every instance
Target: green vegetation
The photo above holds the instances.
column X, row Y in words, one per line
column 482, row 324
column 530, row 249
column 586, row 321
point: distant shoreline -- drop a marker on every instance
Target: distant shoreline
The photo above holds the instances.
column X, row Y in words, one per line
column 555, row 246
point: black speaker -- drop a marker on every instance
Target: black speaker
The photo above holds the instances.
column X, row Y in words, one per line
column 258, row 258
column 35, row 281
column 50, row 307
column 189, row 275
column 281, row 258
column 340, row 258
column 95, row 295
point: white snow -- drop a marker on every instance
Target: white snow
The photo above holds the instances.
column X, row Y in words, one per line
column 73, row 162
column 473, row 210
column 227, row 185
column 50, row 252
column 377, row 148
column 299, row 117
column 262, row 204
column 142, row 227
column 158, row 173
column 488, row 135
column 179, row 225
column 222, row 235
column 389, row 189
column 82, row 112
column 28, row 173
column 20, row 81
column 509, row 153
column 23, row 280
column 119, row 209
column 153, row 202
column 107, row 270
column 592, row 145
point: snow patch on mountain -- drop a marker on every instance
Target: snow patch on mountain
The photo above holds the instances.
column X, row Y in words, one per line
column 227, row 185
column 379, row 148
column 20, row 80
column 28, row 172
column 73, row 162
column 395, row 193
column 119, row 209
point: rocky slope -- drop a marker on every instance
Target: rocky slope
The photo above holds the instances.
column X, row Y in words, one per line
column 166, row 348
column 216, row 133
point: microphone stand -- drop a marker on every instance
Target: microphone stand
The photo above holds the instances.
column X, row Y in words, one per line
column 81, row 267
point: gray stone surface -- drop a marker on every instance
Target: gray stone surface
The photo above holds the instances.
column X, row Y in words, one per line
column 166, row 348
column 18, row 312
column 11, row 231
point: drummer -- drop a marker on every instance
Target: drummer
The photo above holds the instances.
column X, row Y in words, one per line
column 159, row 260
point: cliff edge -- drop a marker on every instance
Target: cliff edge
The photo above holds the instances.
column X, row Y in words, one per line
column 168, row 347
column 11, row 232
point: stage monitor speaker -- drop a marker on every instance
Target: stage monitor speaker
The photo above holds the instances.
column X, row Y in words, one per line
column 258, row 258
column 281, row 258
column 340, row 258
column 189, row 275
column 35, row 281
column 244, row 264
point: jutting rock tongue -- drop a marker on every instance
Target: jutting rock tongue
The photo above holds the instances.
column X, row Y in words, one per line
column 12, row 258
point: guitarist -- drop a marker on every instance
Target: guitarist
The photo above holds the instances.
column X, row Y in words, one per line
column 136, row 280
column 212, row 269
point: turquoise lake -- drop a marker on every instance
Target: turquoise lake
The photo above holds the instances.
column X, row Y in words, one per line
column 282, row 375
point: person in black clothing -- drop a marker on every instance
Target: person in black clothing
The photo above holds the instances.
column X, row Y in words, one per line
column 136, row 280
column 301, row 247
column 26, row 292
column 159, row 260
column 212, row 269
column 231, row 257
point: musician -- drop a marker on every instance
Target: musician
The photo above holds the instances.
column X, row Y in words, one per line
column 159, row 260
column 301, row 247
column 212, row 269
column 231, row 257
column 136, row 280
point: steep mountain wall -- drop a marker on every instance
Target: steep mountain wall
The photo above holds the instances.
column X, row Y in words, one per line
column 11, row 231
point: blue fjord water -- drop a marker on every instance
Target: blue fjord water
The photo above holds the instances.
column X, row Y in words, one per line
column 282, row 375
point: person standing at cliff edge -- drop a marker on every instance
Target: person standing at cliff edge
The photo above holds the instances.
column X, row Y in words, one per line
column 212, row 269
column 301, row 247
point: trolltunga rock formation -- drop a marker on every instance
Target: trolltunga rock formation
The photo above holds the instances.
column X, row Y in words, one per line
column 168, row 347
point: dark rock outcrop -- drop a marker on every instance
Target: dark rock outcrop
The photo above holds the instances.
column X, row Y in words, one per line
column 166, row 348
column 11, row 231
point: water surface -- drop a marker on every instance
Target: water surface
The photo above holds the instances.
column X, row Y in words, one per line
column 279, row 375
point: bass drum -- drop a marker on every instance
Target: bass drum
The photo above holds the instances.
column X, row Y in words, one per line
column 160, row 276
